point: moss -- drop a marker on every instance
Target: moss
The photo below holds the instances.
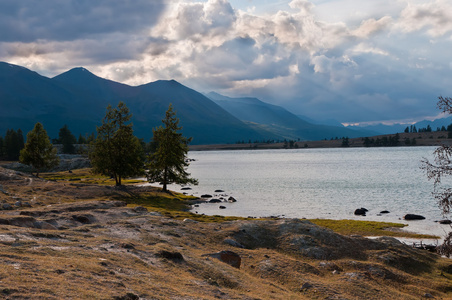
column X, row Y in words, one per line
column 368, row 228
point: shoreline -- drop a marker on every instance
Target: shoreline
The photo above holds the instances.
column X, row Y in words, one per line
column 435, row 138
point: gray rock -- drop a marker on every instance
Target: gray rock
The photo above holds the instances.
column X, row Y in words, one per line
column 7, row 206
column 215, row 201
column 409, row 217
column 360, row 211
column 233, row 243
column 222, row 207
column 190, row 221
column 306, row 286
column 18, row 203
column 229, row 257
column 232, row 199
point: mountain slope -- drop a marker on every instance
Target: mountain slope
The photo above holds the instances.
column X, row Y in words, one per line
column 79, row 98
column 278, row 120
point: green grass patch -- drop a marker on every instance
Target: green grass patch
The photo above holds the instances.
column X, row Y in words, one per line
column 369, row 228
column 85, row 176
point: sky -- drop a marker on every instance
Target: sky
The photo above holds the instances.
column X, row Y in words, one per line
column 358, row 62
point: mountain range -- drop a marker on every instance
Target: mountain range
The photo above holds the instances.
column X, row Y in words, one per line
column 78, row 98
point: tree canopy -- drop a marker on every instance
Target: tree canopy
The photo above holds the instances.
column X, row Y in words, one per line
column 436, row 170
column 67, row 139
column 168, row 163
column 38, row 151
column 116, row 151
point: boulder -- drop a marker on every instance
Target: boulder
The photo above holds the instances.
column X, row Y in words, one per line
column 215, row 201
column 232, row 199
column 222, row 207
column 384, row 212
column 229, row 257
column 360, row 211
column 84, row 218
column 186, row 188
column 174, row 256
column 409, row 217
column 206, row 196
column 6, row 206
column 445, row 222
column 219, row 191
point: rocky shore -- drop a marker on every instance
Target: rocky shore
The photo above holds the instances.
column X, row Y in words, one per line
column 72, row 240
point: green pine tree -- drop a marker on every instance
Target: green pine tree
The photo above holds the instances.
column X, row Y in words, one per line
column 116, row 151
column 67, row 139
column 38, row 151
column 168, row 163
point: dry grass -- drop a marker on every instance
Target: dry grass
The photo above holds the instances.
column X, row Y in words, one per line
column 120, row 254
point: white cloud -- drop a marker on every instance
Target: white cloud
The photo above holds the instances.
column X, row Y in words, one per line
column 435, row 17
column 314, row 65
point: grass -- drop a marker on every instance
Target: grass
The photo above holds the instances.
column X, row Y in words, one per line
column 369, row 228
column 86, row 176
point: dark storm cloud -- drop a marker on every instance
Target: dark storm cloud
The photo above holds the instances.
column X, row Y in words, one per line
column 65, row 20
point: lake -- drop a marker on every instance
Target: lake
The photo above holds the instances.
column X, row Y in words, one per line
column 319, row 183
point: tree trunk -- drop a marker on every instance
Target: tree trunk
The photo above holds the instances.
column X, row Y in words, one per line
column 165, row 179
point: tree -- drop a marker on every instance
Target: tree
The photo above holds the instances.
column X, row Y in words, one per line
column 116, row 151
column 13, row 143
column 436, row 170
column 1, row 148
column 345, row 142
column 38, row 151
column 67, row 139
column 168, row 163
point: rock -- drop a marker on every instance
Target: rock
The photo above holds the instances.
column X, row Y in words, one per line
column 232, row 199
column 233, row 243
column 384, row 212
column 222, row 207
column 413, row 217
column 190, row 221
column 127, row 246
column 229, row 257
column 128, row 296
column 360, row 211
column 44, row 225
column 206, row 196
column 174, row 256
column 22, row 221
column 7, row 206
column 85, row 219
column 427, row 295
column 215, row 201
column 306, row 286
column 18, row 203
column 186, row 188
column 446, row 222
column 140, row 209
column 219, row 191
column 3, row 190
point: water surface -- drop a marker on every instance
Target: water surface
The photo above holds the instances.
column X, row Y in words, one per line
column 319, row 183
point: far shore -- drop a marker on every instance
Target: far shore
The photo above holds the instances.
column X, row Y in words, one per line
column 435, row 138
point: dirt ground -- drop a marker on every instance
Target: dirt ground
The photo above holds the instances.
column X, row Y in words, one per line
column 66, row 240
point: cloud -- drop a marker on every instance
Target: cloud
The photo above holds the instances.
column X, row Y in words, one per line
column 435, row 17
column 370, row 64
column 30, row 21
column 372, row 26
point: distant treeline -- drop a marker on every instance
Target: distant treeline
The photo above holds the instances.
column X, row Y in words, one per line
column 13, row 141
